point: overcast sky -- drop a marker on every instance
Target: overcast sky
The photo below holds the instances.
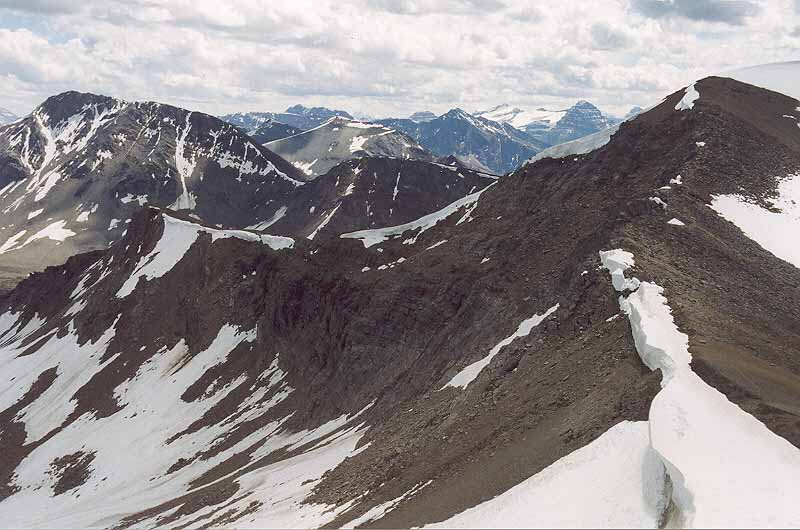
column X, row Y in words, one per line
column 383, row 57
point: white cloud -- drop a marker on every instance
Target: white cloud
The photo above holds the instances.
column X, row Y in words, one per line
column 383, row 57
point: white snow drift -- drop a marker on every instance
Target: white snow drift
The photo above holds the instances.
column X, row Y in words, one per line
column 719, row 466
column 469, row 373
column 727, row 469
column 689, row 97
column 778, row 229
column 177, row 238
column 152, row 427
column 617, row 481
column 375, row 236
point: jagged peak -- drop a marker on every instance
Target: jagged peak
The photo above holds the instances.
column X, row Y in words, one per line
column 583, row 104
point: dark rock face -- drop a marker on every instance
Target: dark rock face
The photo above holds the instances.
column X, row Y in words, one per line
column 273, row 130
column 281, row 361
column 374, row 192
column 76, row 169
column 478, row 142
column 298, row 116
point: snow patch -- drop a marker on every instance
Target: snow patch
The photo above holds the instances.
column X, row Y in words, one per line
column 689, row 97
column 271, row 221
column 35, row 213
column 470, row 373
column 379, row 235
column 580, row 146
column 357, row 143
column 324, row 222
column 305, row 167
column 616, row 481
column 377, row 512
column 129, row 198
column 55, row 231
column 185, row 167
column 775, row 230
column 176, row 240
column 715, row 485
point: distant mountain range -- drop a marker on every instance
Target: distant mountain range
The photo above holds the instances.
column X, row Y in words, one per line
column 424, row 115
column 521, row 118
column 478, row 142
column 553, row 126
column 76, row 170
column 6, row 116
column 497, row 140
column 298, row 116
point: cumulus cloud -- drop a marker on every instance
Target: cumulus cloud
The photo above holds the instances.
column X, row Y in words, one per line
column 726, row 11
column 416, row 7
column 43, row 6
column 606, row 37
column 381, row 57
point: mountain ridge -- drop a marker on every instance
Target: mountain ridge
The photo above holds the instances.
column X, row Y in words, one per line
column 515, row 291
column 481, row 143
column 318, row 150
column 114, row 155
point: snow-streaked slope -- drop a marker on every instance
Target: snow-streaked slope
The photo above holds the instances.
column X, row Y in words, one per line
column 689, row 97
column 469, row 373
column 153, row 424
column 178, row 237
column 373, row 192
column 339, row 139
column 78, row 168
column 379, row 235
column 727, row 468
column 520, row 118
column 777, row 229
column 617, row 481
column 779, row 77
column 581, row 146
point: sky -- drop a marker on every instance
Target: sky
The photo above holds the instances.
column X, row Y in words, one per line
column 382, row 58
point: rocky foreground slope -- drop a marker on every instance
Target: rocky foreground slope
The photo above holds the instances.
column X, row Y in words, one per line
column 604, row 339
